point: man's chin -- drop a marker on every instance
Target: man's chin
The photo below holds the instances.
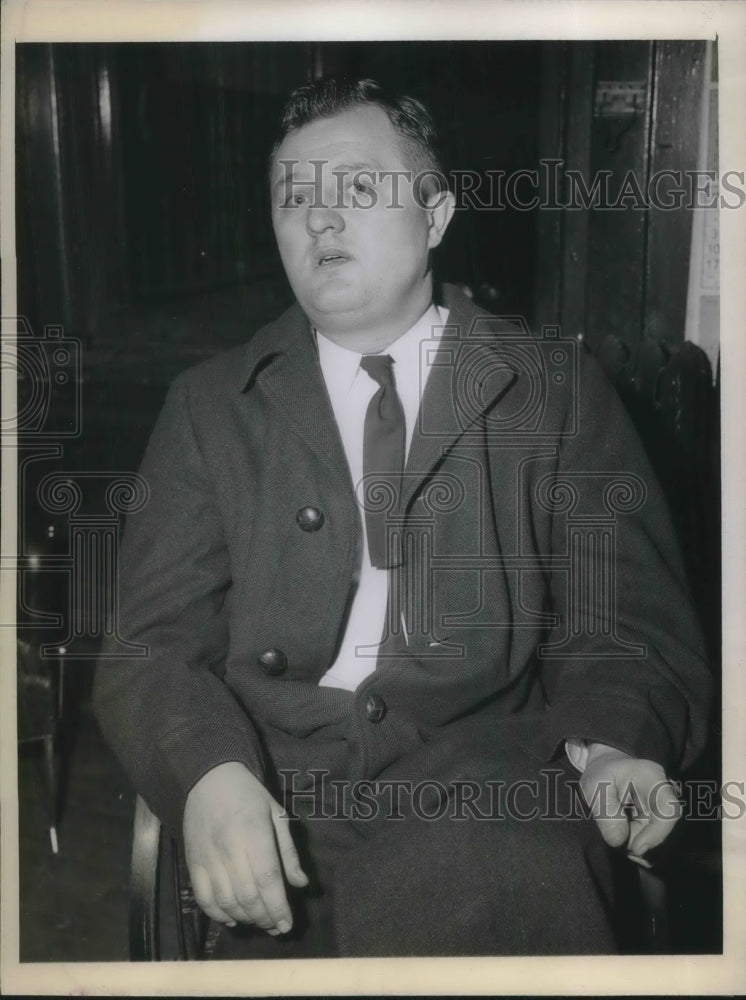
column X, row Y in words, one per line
column 327, row 303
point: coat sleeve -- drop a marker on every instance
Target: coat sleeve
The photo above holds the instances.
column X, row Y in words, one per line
column 167, row 714
column 631, row 670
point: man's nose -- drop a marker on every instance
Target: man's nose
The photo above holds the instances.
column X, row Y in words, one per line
column 322, row 218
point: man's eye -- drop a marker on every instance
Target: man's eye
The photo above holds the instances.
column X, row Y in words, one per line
column 295, row 201
column 360, row 186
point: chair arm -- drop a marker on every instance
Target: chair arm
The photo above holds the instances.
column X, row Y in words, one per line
column 655, row 902
column 143, row 912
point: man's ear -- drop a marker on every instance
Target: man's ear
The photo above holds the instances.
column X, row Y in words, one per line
column 440, row 208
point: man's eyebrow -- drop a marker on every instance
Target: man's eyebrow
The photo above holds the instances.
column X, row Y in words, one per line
column 287, row 178
column 369, row 165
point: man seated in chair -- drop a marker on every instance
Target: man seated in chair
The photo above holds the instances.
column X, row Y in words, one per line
column 404, row 579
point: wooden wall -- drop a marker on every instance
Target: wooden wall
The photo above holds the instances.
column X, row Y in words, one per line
column 141, row 173
column 142, row 168
column 620, row 270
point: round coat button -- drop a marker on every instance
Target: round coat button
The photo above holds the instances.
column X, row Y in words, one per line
column 310, row 518
column 375, row 708
column 272, row 661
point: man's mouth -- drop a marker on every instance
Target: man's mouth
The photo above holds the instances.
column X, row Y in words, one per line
column 330, row 256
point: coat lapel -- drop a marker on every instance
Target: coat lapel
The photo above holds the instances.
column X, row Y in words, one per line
column 284, row 363
column 469, row 376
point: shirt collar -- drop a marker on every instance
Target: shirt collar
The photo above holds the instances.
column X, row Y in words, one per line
column 343, row 365
column 290, row 336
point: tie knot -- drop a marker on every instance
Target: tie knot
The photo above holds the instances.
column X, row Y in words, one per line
column 378, row 366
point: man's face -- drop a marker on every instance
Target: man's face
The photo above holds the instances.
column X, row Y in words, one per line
column 354, row 261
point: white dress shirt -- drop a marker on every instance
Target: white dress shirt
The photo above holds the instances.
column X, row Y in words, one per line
column 350, row 391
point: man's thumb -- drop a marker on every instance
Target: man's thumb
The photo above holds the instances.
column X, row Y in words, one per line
column 289, row 855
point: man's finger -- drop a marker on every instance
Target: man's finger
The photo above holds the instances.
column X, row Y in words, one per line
column 205, row 898
column 243, row 885
column 224, row 891
column 289, row 855
column 662, row 812
column 267, row 874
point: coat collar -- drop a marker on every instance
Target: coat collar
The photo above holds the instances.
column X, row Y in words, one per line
column 283, row 362
column 470, row 374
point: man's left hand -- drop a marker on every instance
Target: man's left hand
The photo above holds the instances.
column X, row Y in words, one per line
column 631, row 800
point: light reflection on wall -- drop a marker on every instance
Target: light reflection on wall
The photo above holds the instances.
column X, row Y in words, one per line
column 104, row 104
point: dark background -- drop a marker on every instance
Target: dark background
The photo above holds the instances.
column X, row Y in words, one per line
column 143, row 230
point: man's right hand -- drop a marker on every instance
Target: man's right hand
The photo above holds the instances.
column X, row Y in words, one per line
column 238, row 842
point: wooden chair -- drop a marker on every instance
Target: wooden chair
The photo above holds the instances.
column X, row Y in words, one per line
column 165, row 923
column 673, row 403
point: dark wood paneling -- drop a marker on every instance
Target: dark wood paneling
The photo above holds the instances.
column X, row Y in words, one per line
column 551, row 146
column 196, row 126
column 575, row 224
column 617, row 238
column 69, row 207
column 623, row 268
column 43, row 293
column 674, row 143
column 142, row 173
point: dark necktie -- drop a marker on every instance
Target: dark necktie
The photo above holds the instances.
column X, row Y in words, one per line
column 383, row 461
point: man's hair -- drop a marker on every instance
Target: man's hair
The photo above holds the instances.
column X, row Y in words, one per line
column 409, row 117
